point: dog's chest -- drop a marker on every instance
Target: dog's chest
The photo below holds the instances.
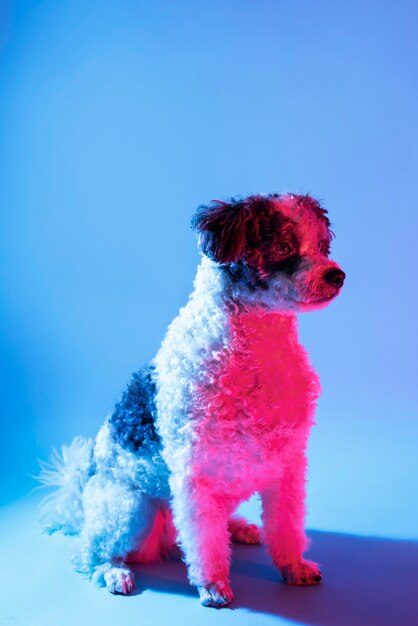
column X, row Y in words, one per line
column 257, row 397
column 261, row 380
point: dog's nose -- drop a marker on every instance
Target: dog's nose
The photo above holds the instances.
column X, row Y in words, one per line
column 335, row 277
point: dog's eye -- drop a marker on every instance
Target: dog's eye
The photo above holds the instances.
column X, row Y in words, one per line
column 284, row 247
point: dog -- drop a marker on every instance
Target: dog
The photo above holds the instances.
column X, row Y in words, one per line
column 222, row 412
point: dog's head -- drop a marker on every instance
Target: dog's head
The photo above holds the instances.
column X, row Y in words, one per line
column 274, row 248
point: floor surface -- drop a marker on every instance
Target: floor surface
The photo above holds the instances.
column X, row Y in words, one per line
column 367, row 582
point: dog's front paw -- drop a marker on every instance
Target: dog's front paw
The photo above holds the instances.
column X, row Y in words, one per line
column 216, row 594
column 119, row 580
column 301, row 573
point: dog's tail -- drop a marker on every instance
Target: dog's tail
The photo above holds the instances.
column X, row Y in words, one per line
column 68, row 472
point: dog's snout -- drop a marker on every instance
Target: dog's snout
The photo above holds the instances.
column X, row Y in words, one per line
column 335, row 277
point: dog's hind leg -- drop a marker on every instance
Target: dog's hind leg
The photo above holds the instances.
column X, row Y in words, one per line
column 117, row 519
column 242, row 531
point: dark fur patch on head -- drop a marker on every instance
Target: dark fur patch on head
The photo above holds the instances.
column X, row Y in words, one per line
column 231, row 231
column 287, row 266
column 222, row 227
column 251, row 230
column 249, row 274
column 133, row 419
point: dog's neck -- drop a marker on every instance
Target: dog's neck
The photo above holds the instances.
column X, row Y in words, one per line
column 214, row 292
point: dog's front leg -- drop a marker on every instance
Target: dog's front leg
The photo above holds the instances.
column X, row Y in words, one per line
column 201, row 520
column 284, row 524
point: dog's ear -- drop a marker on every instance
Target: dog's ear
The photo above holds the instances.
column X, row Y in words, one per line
column 223, row 229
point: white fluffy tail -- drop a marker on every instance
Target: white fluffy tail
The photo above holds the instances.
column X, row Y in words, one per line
column 68, row 472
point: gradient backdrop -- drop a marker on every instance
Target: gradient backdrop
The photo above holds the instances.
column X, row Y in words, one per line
column 116, row 120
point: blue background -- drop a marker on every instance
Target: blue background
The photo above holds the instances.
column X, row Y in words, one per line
column 116, row 120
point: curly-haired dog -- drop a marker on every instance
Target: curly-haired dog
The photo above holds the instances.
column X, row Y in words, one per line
column 222, row 412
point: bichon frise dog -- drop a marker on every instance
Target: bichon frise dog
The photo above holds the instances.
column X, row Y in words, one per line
column 222, row 412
